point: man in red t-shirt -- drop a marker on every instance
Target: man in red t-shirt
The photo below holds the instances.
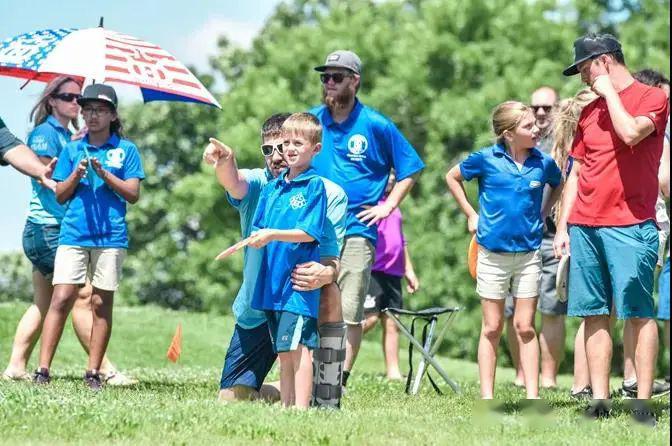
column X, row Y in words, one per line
column 609, row 204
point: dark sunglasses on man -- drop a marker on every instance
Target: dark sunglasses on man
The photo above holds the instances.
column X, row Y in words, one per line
column 67, row 97
column 267, row 149
column 336, row 77
column 547, row 108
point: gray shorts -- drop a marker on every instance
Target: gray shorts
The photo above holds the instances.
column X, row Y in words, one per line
column 548, row 299
column 353, row 280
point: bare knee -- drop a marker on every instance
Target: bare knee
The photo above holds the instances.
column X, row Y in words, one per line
column 389, row 324
column 525, row 330
column 492, row 330
column 61, row 300
column 330, row 304
column 237, row 393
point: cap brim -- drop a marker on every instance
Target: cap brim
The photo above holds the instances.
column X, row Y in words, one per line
column 82, row 101
column 323, row 68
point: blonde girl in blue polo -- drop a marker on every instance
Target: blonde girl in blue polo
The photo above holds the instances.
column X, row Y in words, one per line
column 511, row 175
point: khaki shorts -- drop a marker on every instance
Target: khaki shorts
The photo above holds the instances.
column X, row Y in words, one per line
column 356, row 261
column 102, row 265
column 499, row 274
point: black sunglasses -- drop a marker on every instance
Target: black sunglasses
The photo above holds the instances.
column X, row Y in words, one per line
column 336, row 77
column 267, row 149
column 67, row 97
column 547, row 108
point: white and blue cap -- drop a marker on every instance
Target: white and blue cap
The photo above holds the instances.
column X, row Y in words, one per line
column 342, row 59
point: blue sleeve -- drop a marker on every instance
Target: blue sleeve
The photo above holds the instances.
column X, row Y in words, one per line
column 472, row 166
column 404, row 157
column 64, row 165
column 133, row 164
column 334, row 223
column 553, row 173
column 312, row 215
column 259, row 220
column 254, row 185
column 44, row 141
column 570, row 164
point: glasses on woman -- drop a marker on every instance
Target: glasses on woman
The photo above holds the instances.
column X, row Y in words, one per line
column 67, row 97
column 336, row 77
column 98, row 111
column 267, row 149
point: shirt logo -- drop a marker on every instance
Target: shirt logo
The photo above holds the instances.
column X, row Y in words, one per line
column 535, row 184
column 297, row 201
column 39, row 144
column 115, row 158
column 357, row 145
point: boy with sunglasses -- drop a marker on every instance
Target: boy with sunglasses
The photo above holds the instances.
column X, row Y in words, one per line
column 250, row 354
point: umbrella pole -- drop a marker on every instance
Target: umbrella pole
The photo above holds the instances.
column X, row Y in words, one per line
column 100, row 24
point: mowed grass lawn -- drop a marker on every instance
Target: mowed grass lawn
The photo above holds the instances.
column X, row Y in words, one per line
column 175, row 403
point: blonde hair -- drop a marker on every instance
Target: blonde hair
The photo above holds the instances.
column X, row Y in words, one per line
column 303, row 124
column 42, row 109
column 565, row 119
column 507, row 116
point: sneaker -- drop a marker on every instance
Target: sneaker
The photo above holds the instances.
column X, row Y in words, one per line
column 584, row 394
column 118, row 379
column 93, row 379
column 41, row 376
column 660, row 388
column 598, row 409
column 642, row 414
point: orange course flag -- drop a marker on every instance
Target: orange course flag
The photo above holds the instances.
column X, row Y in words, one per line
column 472, row 257
column 175, row 349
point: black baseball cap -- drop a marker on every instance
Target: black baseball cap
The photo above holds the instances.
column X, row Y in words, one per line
column 99, row 92
column 590, row 46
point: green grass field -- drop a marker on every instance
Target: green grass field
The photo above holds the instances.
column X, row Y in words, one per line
column 175, row 403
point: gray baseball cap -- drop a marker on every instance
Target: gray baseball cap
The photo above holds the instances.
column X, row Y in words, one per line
column 342, row 59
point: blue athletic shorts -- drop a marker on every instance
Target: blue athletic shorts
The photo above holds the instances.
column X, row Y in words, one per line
column 288, row 330
column 39, row 245
column 664, row 292
column 612, row 265
column 249, row 358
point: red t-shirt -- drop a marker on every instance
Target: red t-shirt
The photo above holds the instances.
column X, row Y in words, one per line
column 618, row 184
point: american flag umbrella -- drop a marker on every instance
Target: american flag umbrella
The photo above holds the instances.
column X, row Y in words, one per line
column 101, row 55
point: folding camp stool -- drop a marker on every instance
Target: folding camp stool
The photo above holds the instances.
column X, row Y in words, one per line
column 426, row 349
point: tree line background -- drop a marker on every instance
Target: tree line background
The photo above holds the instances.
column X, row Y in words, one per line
column 435, row 67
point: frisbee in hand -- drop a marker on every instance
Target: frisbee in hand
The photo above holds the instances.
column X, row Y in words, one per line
column 561, row 278
column 232, row 249
column 472, row 257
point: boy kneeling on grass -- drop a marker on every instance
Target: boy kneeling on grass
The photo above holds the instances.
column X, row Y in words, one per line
column 287, row 226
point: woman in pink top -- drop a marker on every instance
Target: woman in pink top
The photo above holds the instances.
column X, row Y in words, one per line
column 392, row 263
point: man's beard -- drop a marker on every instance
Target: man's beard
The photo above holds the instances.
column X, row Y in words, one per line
column 339, row 101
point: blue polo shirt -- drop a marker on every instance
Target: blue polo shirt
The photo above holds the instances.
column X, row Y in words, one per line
column 358, row 154
column 95, row 215
column 47, row 140
column 509, row 199
column 298, row 204
column 330, row 244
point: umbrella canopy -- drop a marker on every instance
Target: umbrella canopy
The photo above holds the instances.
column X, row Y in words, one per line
column 101, row 55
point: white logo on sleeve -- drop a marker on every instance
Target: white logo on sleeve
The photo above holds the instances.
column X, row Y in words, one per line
column 534, row 184
column 115, row 158
column 357, row 145
column 297, row 201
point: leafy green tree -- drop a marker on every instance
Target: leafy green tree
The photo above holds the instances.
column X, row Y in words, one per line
column 436, row 67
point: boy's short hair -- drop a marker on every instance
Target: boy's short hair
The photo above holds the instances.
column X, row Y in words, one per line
column 304, row 124
column 272, row 127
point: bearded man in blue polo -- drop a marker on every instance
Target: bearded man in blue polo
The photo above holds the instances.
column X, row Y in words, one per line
column 359, row 148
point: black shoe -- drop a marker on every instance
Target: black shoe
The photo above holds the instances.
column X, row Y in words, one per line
column 41, row 376
column 584, row 394
column 598, row 409
column 642, row 414
column 660, row 388
column 93, row 379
